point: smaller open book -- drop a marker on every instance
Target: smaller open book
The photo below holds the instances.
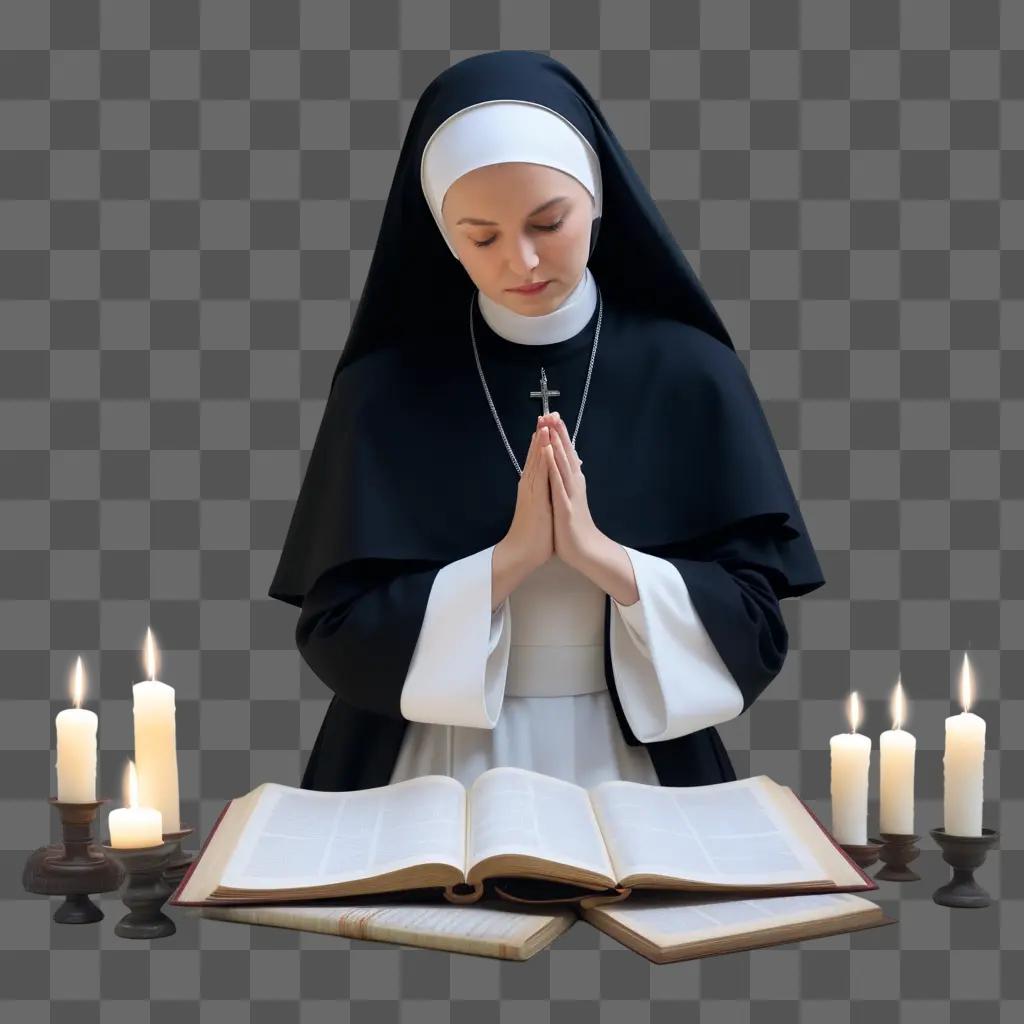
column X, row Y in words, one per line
column 489, row 927
column 662, row 928
column 746, row 837
column 668, row 928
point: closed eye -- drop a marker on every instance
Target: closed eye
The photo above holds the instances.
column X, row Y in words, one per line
column 539, row 227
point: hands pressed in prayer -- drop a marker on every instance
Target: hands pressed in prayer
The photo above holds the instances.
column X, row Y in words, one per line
column 575, row 534
column 531, row 534
column 577, row 539
column 552, row 516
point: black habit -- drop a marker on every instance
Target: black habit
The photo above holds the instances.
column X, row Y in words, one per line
column 409, row 473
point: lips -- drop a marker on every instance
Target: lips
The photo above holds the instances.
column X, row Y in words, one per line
column 531, row 289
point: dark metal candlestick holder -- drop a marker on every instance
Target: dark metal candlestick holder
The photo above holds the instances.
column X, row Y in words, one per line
column 74, row 868
column 897, row 851
column 179, row 859
column 862, row 854
column 963, row 854
column 146, row 891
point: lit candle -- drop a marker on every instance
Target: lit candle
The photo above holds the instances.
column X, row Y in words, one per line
column 76, row 749
column 851, row 759
column 155, row 748
column 897, row 750
column 134, row 826
column 963, row 765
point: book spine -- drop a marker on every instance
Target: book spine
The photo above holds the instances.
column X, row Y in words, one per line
column 464, row 892
column 173, row 900
column 869, row 883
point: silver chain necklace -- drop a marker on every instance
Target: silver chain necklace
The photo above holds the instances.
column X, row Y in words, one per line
column 544, row 388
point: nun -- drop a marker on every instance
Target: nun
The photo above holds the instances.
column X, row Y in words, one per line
column 544, row 522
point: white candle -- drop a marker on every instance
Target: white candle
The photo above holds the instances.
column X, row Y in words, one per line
column 155, row 743
column 76, row 749
column 897, row 750
column 963, row 766
column 851, row 760
column 133, row 827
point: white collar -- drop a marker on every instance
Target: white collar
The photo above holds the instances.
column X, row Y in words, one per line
column 560, row 324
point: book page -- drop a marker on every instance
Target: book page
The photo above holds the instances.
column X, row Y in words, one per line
column 476, row 921
column 299, row 837
column 515, row 811
column 670, row 920
column 727, row 833
column 486, row 929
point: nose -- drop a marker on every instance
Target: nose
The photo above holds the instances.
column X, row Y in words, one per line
column 523, row 256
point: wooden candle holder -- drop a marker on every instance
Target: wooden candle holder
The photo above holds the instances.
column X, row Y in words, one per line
column 964, row 854
column 862, row 854
column 74, row 868
column 898, row 850
column 146, row 891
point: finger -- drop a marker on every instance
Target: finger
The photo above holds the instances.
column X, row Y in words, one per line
column 535, row 445
column 543, row 440
column 559, row 427
column 559, row 495
column 563, row 431
column 562, row 459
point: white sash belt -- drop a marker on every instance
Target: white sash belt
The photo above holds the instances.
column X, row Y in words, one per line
column 541, row 671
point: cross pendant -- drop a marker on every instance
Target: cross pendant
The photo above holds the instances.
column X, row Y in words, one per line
column 544, row 394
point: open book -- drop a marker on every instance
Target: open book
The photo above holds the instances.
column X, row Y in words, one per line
column 667, row 928
column 662, row 927
column 746, row 837
column 487, row 928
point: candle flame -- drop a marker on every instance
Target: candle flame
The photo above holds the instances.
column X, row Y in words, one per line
column 79, row 685
column 966, row 684
column 899, row 704
column 853, row 711
column 150, row 654
column 132, row 800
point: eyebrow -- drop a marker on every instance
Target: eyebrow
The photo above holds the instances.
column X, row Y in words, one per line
column 491, row 223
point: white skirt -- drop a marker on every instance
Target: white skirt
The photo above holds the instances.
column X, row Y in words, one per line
column 576, row 738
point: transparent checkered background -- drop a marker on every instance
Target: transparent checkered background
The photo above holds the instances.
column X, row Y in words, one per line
column 189, row 198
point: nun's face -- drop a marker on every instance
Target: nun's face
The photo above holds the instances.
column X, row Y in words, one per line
column 513, row 224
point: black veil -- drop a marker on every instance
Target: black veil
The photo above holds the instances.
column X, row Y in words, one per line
column 697, row 461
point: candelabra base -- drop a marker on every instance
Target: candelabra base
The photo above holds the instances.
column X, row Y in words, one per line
column 146, row 891
column 862, row 854
column 964, row 854
column 897, row 851
column 74, row 868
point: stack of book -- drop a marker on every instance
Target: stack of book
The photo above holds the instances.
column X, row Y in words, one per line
column 502, row 868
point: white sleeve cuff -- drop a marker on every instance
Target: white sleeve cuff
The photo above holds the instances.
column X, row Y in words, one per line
column 458, row 668
column 669, row 676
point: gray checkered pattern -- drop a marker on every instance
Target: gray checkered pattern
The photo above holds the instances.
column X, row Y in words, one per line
column 189, row 197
